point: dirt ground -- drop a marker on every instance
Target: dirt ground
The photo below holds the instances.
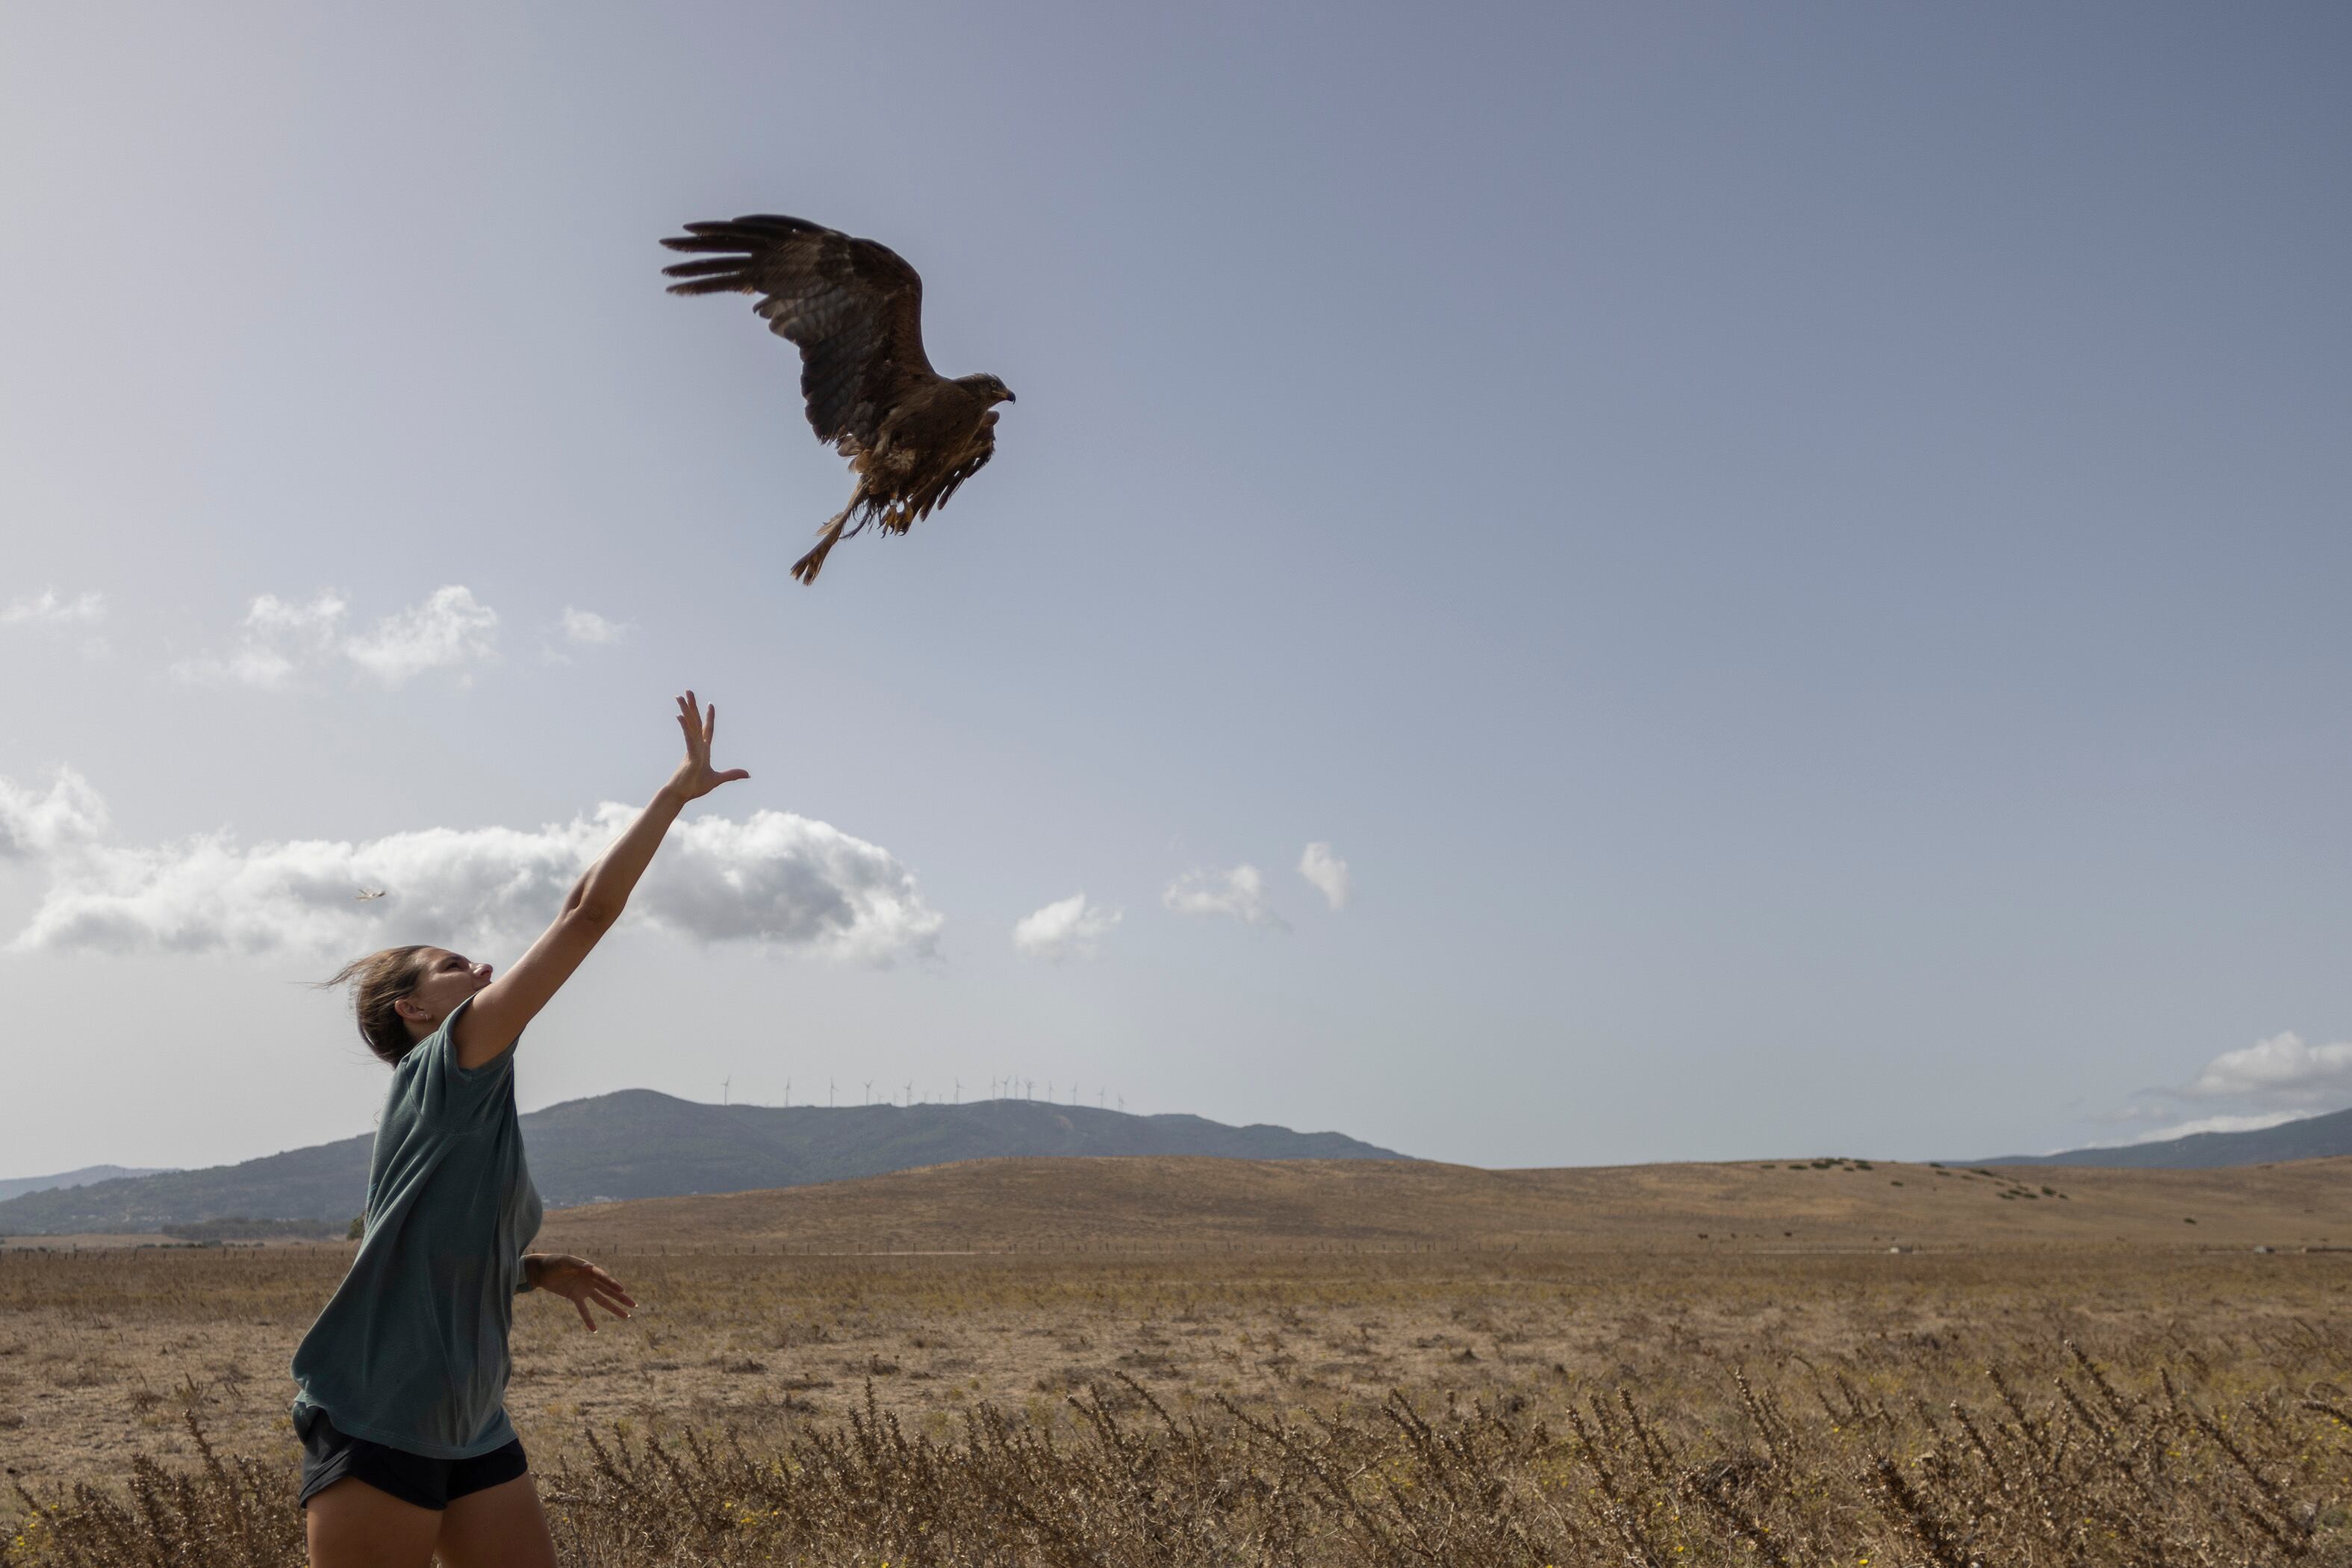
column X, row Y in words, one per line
column 102, row 1350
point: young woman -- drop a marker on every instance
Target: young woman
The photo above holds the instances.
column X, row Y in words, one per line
column 406, row 1448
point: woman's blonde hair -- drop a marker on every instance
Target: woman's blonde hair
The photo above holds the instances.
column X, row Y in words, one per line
column 377, row 982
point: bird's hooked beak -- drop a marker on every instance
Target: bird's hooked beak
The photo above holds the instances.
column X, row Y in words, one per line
column 1008, row 395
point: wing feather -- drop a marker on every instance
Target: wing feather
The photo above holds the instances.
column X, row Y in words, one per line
column 853, row 307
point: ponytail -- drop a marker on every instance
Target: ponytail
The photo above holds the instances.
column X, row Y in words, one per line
column 377, row 982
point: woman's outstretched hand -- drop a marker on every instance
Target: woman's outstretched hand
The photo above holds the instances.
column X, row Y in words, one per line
column 579, row 1282
column 695, row 777
column 500, row 1010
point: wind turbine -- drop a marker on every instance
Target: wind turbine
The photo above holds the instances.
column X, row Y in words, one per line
column 788, row 1094
column 828, row 1094
column 724, row 1084
column 910, row 1091
column 958, row 1092
column 870, row 1091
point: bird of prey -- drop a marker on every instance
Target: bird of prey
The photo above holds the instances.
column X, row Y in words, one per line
column 854, row 309
column 365, row 894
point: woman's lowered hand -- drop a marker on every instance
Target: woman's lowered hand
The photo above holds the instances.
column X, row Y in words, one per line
column 578, row 1282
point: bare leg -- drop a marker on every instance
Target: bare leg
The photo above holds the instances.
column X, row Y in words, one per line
column 806, row 568
column 498, row 1527
column 352, row 1525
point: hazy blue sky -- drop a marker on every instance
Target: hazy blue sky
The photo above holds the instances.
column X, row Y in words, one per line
column 1798, row 555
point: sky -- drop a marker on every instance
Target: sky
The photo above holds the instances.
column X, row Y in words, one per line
column 1566, row 584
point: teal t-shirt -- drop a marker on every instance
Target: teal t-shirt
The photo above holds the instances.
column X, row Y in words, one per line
column 412, row 1350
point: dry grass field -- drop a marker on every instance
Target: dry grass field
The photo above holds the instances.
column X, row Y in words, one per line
column 1161, row 1204
column 1202, row 1361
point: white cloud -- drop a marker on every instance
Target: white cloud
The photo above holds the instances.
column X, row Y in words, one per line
column 1066, row 928
column 450, row 628
column 2273, row 1080
column 2253, row 1124
column 2281, row 1071
column 1238, row 894
column 784, row 879
column 772, row 877
column 590, row 630
column 312, row 625
column 1327, row 871
column 280, row 638
column 37, row 827
column 46, row 609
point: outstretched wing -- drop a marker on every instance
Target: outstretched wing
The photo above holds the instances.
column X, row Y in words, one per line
column 854, row 307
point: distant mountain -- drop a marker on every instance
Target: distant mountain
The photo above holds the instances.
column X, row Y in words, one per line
column 2312, row 1138
column 640, row 1145
column 17, row 1186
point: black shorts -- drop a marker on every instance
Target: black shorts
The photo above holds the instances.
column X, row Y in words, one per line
column 329, row 1456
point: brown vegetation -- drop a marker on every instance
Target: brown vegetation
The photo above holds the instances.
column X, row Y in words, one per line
column 1170, row 1202
column 1283, row 1393
column 2082, row 1462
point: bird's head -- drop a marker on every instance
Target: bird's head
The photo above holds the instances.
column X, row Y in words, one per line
column 988, row 386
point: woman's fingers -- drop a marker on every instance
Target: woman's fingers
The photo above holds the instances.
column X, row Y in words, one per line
column 608, row 1291
column 699, row 721
column 581, row 1283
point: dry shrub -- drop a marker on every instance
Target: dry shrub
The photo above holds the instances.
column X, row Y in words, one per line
column 236, row 1512
column 2087, row 1469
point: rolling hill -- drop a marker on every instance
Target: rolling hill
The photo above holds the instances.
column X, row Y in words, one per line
column 2311, row 1138
column 17, row 1186
column 637, row 1144
column 1181, row 1204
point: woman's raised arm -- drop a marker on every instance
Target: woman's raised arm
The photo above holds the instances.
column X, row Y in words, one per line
column 501, row 1008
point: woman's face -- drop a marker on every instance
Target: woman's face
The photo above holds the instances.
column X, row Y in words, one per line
column 447, row 979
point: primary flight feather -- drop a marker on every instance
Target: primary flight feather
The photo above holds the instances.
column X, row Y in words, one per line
column 854, row 309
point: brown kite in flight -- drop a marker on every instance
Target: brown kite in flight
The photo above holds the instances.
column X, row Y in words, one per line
column 855, row 309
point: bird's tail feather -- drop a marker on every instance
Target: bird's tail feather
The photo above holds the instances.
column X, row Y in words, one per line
column 805, row 569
